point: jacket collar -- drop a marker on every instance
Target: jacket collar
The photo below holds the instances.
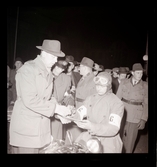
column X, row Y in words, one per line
column 39, row 63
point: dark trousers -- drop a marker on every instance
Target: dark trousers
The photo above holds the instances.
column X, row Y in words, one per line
column 129, row 137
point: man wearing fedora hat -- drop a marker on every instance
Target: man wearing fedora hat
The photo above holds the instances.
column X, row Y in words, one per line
column 97, row 68
column 121, row 74
column 134, row 94
column 85, row 88
column 30, row 121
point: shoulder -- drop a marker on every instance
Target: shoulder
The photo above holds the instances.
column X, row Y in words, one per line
column 125, row 81
column 28, row 67
column 64, row 77
column 145, row 84
column 114, row 97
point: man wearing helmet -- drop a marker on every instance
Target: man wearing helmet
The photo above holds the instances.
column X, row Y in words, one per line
column 101, row 115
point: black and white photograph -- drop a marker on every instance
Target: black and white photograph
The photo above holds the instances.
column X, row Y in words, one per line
column 77, row 79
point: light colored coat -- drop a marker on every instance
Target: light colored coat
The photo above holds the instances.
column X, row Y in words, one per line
column 30, row 122
column 137, row 93
column 99, row 109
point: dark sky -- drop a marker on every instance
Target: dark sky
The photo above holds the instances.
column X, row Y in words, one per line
column 110, row 36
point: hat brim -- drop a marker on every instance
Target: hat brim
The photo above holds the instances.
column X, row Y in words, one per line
column 99, row 69
column 58, row 54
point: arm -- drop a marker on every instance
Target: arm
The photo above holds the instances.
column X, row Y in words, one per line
column 26, row 89
column 145, row 102
column 112, row 126
column 119, row 90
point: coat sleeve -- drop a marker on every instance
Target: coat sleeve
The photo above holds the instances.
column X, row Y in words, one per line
column 145, row 102
column 119, row 90
column 110, row 126
column 26, row 88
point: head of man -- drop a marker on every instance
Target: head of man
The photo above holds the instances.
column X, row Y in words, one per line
column 59, row 67
column 103, row 82
column 97, row 68
column 71, row 63
column 115, row 72
column 86, row 66
column 50, row 51
column 18, row 63
column 122, row 73
column 137, row 71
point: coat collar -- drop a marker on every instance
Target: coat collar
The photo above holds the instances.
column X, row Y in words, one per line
column 42, row 70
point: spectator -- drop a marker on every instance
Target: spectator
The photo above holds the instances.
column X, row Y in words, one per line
column 97, row 68
column 134, row 94
column 108, row 71
column 62, row 84
column 18, row 63
column 85, row 87
column 121, row 75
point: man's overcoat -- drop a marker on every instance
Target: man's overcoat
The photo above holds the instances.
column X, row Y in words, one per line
column 30, row 122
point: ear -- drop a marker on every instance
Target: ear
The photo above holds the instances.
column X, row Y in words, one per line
column 132, row 72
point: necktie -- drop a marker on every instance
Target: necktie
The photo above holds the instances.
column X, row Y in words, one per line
column 135, row 82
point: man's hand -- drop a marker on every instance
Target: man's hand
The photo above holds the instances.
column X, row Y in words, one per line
column 62, row 110
column 85, row 124
column 141, row 124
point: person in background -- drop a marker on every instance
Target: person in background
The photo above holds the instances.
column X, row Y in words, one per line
column 85, row 88
column 128, row 75
column 108, row 71
column 101, row 115
column 30, row 121
column 115, row 71
column 18, row 63
column 121, row 74
column 62, row 84
column 77, row 67
column 134, row 94
column 75, row 75
column 97, row 68
column 9, row 113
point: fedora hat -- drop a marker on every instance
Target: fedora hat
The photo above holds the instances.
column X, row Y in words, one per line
column 123, row 70
column 98, row 67
column 137, row 67
column 52, row 47
column 87, row 62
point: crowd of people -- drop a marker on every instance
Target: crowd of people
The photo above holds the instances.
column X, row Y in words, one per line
column 108, row 104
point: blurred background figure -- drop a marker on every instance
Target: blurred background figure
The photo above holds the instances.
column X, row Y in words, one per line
column 108, row 71
column 97, row 68
column 120, row 75
column 18, row 63
column 9, row 110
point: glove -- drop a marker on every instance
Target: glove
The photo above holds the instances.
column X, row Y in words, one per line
column 141, row 124
column 62, row 110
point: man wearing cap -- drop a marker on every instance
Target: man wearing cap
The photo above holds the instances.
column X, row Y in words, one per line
column 85, row 88
column 134, row 94
column 103, row 112
column 30, row 121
